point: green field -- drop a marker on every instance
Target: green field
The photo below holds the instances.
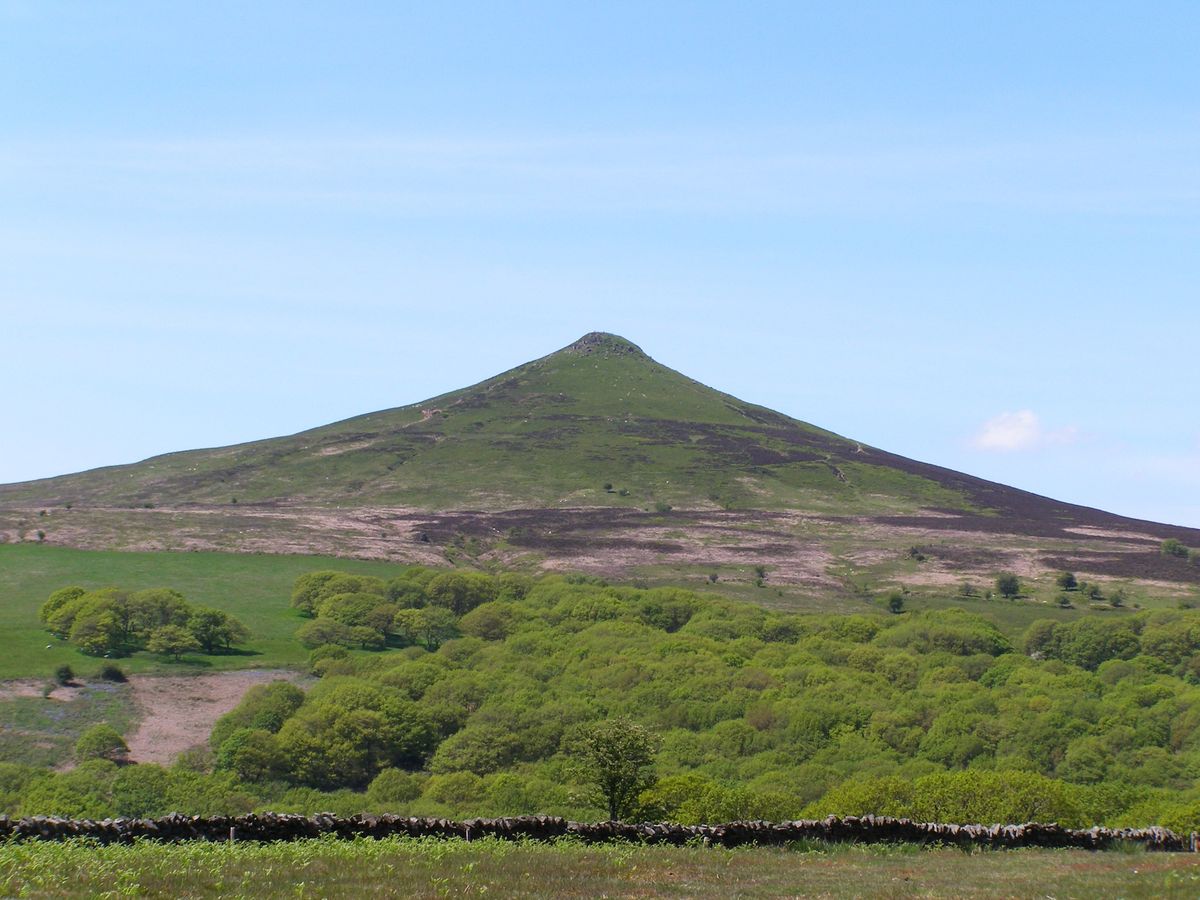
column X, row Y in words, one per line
column 486, row 868
column 253, row 588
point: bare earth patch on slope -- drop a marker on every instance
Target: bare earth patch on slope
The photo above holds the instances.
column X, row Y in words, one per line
column 179, row 711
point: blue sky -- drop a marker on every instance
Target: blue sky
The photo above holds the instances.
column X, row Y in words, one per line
column 968, row 233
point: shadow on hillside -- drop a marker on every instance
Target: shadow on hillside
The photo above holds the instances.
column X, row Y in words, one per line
column 190, row 662
column 235, row 651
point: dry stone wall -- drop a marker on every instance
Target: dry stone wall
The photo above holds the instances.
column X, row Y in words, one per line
column 865, row 829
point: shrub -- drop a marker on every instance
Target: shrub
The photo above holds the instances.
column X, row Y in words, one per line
column 141, row 791
column 252, row 754
column 481, row 749
column 1172, row 547
column 1085, row 642
column 113, row 672
column 101, row 742
column 82, row 793
column 350, row 730
column 64, row 674
column 264, row 707
column 1066, row 581
column 1008, row 585
column 458, row 790
column 326, row 651
column 394, row 786
column 325, row 631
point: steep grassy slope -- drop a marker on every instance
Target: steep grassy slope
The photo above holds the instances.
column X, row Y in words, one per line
column 550, row 432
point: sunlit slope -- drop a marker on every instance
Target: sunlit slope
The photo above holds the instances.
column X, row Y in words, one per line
column 555, row 431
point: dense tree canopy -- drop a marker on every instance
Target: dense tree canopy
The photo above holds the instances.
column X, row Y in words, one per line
column 480, row 688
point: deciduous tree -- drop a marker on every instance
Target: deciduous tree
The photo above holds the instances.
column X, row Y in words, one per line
column 616, row 757
column 173, row 641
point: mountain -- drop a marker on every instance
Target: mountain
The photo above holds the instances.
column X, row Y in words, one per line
column 595, row 446
column 550, row 432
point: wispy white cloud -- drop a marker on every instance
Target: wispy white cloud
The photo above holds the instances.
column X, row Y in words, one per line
column 1021, row 430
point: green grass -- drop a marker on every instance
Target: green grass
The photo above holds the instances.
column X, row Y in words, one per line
column 256, row 589
column 40, row 732
column 412, row 868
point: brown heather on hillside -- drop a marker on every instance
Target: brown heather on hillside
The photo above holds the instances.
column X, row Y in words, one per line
column 597, row 458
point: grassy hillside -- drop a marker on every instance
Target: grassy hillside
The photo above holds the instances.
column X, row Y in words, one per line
column 549, row 432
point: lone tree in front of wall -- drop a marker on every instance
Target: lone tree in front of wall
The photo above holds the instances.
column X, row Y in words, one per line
column 616, row 757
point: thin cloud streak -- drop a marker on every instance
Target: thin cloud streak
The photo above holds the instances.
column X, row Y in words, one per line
column 445, row 176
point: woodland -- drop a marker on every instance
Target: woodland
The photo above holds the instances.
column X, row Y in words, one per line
column 449, row 693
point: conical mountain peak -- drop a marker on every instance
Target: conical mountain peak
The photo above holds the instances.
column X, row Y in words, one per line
column 604, row 343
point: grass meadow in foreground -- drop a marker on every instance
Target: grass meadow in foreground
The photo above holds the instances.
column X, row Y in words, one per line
column 432, row 868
